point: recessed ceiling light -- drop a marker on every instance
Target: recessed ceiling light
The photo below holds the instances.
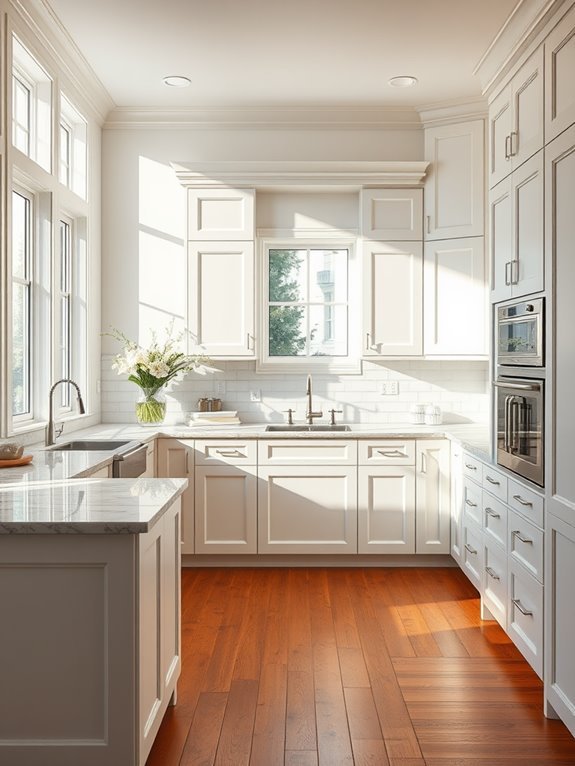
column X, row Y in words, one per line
column 405, row 81
column 177, row 81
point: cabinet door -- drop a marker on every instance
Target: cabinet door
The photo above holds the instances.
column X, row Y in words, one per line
column 560, row 236
column 150, row 471
column 386, row 510
column 226, row 509
column 559, row 68
column 501, row 239
column 307, row 509
column 221, row 297
column 176, row 460
column 218, row 214
column 454, row 181
column 500, row 121
column 560, row 619
column 527, row 96
column 392, row 298
column 455, row 286
column 391, row 214
column 527, row 266
column 432, row 513
column 456, row 501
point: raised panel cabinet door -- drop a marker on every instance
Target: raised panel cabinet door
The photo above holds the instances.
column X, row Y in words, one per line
column 454, row 286
column 527, row 266
column 559, row 68
column 500, row 121
column 307, row 509
column 219, row 214
column 391, row 214
column 456, row 500
column 226, row 509
column 501, row 239
column 432, row 510
column 393, row 298
column 527, row 97
column 560, row 236
column 386, row 509
column 560, row 619
column 221, row 297
column 175, row 460
column 454, row 181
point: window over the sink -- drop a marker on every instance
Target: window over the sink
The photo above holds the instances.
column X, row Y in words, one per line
column 308, row 306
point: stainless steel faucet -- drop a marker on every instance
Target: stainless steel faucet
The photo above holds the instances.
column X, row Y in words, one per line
column 50, row 427
column 310, row 414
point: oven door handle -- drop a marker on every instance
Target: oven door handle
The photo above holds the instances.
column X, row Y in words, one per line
column 514, row 410
column 518, row 386
column 507, row 424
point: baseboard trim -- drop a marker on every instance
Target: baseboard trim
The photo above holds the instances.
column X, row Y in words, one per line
column 307, row 560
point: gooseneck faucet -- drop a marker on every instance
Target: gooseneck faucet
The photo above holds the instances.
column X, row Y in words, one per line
column 50, row 427
column 310, row 414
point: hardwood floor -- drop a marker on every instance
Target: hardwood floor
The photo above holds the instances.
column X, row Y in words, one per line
column 372, row 667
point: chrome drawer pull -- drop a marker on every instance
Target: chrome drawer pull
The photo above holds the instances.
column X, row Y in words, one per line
column 521, row 608
column 471, row 467
column 517, row 533
column 491, row 512
column 230, row 453
column 492, row 574
column 392, row 453
column 470, row 503
column 492, row 481
column 522, row 501
column 470, row 549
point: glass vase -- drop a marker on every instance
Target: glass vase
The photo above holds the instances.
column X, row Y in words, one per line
column 151, row 407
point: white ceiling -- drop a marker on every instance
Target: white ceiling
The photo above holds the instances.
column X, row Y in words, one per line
column 284, row 52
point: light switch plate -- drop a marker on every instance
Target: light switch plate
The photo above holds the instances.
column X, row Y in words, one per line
column 390, row 388
column 220, row 387
column 255, row 395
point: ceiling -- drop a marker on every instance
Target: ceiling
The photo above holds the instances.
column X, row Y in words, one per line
column 241, row 53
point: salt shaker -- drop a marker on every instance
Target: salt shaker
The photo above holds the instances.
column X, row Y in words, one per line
column 432, row 415
column 417, row 413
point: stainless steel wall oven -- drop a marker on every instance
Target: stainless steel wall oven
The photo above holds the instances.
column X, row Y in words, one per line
column 519, row 334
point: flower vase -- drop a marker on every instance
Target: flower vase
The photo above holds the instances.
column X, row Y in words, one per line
column 151, row 407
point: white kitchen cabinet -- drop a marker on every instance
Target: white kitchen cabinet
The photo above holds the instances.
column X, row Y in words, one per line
column 454, row 286
column 219, row 214
column 472, row 552
column 176, row 460
column 516, row 120
column 150, row 471
column 559, row 68
column 307, row 509
column 560, row 619
column 392, row 298
column 494, row 583
column 391, row 214
column 221, row 298
column 456, row 502
column 454, row 183
column 386, row 509
column 516, row 230
column 525, row 615
column 433, row 512
column 225, row 509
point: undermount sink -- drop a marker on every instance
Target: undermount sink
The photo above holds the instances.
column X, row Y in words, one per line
column 286, row 427
column 100, row 445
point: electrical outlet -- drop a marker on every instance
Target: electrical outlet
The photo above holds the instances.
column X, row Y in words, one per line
column 255, row 395
column 390, row 388
column 220, row 387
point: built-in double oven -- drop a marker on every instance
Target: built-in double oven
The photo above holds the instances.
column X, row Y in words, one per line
column 519, row 388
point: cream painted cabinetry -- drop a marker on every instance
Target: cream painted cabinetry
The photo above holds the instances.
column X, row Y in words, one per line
column 219, row 214
column 456, row 502
column 516, row 230
column 454, row 184
column 176, row 460
column 432, row 496
column 516, row 120
column 559, row 68
column 150, row 471
column 391, row 214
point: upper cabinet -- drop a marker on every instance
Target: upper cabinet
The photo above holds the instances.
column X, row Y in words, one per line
column 391, row 214
column 219, row 214
column 559, row 70
column 516, row 120
column 454, row 186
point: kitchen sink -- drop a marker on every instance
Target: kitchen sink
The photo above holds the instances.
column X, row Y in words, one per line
column 101, row 445
column 286, row 427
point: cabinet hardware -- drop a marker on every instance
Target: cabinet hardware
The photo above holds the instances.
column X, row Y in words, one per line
column 512, row 151
column 492, row 481
column 491, row 512
column 471, row 467
column 470, row 503
column 367, row 341
column 521, row 608
column 428, row 223
column 522, row 501
column 392, row 453
column 507, row 277
column 187, row 462
column 514, row 271
column 517, row 533
column 470, row 549
column 230, row 453
column 507, row 147
column 520, row 387
column 423, row 463
column 492, row 573
column 249, row 341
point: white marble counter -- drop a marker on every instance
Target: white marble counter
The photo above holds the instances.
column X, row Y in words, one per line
column 48, row 465
column 86, row 506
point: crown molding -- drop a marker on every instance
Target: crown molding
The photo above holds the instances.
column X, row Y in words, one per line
column 265, row 118
column 287, row 174
column 457, row 110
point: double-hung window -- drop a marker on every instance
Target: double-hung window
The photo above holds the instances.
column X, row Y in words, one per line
column 22, row 263
column 73, row 133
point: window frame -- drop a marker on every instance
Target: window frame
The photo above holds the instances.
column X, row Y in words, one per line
column 349, row 364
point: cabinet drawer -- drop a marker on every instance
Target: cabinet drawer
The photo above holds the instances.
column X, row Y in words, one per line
column 472, row 553
column 495, row 582
column 526, row 544
column 494, row 520
column 231, row 452
column 525, row 501
column 495, row 482
column 472, row 467
column 389, row 452
column 472, row 502
column 525, row 615
column 307, row 452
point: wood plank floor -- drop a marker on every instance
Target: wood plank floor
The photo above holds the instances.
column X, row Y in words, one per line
column 372, row 667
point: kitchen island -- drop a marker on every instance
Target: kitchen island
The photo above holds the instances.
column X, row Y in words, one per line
column 90, row 599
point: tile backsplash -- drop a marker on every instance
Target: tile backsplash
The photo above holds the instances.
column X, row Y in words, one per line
column 459, row 388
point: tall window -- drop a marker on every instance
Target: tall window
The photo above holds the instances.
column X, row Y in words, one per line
column 21, row 112
column 65, row 302
column 22, row 302
column 73, row 148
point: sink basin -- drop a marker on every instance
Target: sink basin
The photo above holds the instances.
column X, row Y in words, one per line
column 286, row 427
column 101, row 445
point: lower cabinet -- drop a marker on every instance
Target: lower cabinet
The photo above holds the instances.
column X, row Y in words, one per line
column 176, row 460
column 525, row 618
column 386, row 509
column 433, row 513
